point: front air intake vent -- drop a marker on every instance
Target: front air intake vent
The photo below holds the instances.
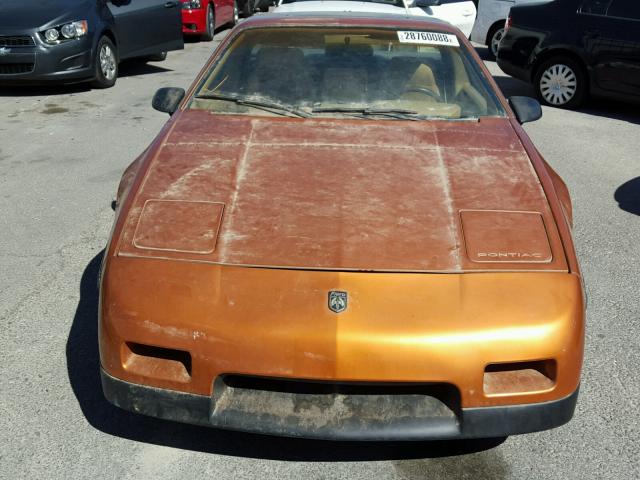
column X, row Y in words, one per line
column 16, row 41
column 520, row 377
column 156, row 362
column 16, row 68
column 295, row 407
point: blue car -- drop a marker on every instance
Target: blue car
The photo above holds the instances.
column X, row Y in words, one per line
column 71, row 41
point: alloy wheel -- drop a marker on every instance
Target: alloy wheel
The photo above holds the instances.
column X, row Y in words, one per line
column 211, row 20
column 107, row 62
column 558, row 84
column 495, row 41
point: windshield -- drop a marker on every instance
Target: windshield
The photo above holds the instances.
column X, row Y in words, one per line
column 372, row 73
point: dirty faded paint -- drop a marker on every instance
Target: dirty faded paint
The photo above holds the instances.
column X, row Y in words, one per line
column 335, row 194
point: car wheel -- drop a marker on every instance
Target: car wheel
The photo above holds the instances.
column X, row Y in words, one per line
column 561, row 82
column 211, row 24
column 248, row 8
column 236, row 14
column 494, row 40
column 105, row 64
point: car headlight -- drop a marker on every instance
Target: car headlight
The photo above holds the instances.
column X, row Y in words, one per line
column 63, row 33
column 52, row 35
column 192, row 4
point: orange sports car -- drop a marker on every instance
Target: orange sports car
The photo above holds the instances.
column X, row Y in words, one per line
column 343, row 232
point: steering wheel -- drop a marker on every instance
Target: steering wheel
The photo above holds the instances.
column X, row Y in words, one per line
column 425, row 91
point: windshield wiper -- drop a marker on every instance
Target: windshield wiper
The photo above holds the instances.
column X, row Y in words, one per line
column 362, row 110
column 400, row 113
column 453, row 119
column 269, row 106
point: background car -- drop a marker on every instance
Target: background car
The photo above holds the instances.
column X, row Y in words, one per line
column 459, row 13
column 490, row 21
column 69, row 41
column 344, row 232
column 570, row 49
column 202, row 17
column 251, row 6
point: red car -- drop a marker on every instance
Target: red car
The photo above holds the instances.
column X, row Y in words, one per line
column 202, row 17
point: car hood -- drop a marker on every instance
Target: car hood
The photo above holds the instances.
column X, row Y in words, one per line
column 339, row 6
column 346, row 195
column 30, row 14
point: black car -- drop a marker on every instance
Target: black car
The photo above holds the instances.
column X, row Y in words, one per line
column 572, row 48
column 73, row 41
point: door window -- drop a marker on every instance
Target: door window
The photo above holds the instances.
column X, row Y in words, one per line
column 629, row 9
column 595, row 7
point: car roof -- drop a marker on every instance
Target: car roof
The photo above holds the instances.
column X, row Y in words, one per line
column 346, row 19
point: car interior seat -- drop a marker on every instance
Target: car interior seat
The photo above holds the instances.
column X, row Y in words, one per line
column 280, row 74
column 465, row 94
column 422, row 86
column 399, row 71
column 345, row 76
column 344, row 84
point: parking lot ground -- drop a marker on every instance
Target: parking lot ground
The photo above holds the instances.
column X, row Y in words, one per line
column 62, row 151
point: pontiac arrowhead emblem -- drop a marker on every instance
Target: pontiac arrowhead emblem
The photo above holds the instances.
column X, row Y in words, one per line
column 337, row 301
column 4, row 51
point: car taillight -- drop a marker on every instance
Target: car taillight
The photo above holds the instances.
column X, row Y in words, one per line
column 508, row 23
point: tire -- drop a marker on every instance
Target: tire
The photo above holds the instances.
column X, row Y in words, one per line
column 207, row 36
column 493, row 40
column 236, row 14
column 105, row 64
column 561, row 82
column 247, row 8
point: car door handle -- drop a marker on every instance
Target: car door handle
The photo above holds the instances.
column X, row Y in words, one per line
column 171, row 4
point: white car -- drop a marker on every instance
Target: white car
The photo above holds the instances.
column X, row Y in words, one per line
column 489, row 27
column 459, row 13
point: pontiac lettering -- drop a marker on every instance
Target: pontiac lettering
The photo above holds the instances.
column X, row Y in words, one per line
column 509, row 255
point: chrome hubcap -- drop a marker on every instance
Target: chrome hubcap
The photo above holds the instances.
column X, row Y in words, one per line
column 495, row 41
column 108, row 62
column 558, row 84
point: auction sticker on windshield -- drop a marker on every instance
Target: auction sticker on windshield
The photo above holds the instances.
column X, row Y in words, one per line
column 428, row 38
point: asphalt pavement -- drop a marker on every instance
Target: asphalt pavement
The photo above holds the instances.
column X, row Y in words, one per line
column 62, row 151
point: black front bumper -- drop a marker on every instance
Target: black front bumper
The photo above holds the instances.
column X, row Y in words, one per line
column 275, row 413
column 39, row 63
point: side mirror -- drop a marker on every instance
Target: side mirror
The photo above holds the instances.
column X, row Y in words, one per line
column 428, row 3
column 527, row 109
column 168, row 99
